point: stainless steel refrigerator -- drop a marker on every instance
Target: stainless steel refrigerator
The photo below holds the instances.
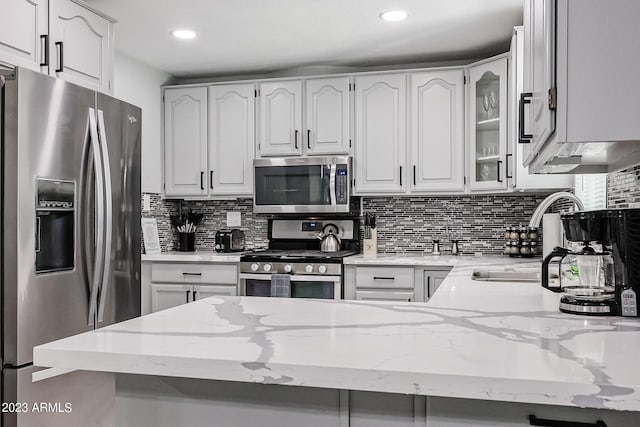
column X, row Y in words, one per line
column 70, row 236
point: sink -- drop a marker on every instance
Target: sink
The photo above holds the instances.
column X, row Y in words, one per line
column 503, row 275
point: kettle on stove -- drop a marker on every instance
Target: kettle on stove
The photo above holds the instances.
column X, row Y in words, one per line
column 330, row 240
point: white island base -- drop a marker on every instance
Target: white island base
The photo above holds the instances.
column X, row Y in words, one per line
column 489, row 354
column 143, row 400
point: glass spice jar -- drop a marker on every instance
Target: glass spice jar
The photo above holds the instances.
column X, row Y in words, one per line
column 515, row 250
column 523, row 233
column 514, row 235
column 525, row 249
column 533, row 233
column 534, row 248
column 507, row 248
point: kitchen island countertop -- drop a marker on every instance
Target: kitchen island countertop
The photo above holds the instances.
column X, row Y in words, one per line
column 477, row 340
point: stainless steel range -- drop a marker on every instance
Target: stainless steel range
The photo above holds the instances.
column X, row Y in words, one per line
column 294, row 250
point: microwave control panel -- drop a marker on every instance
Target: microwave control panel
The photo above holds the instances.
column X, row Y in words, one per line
column 342, row 185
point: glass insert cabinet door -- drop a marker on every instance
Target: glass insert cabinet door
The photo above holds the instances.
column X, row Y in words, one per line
column 488, row 125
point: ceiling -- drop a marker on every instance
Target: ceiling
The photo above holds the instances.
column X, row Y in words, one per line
column 262, row 36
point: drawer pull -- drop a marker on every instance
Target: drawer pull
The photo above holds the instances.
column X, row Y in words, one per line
column 383, row 278
column 192, row 274
column 535, row 421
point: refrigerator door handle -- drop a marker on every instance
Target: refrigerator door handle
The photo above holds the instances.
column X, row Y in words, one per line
column 108, row 219
column 99, row 223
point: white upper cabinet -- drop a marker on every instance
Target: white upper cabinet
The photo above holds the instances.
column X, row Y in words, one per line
column 327, row 116
column 81, row 45
column 231, row 139
column 437, row 131
column 23, row 33
column 519, row 146
column 185, row 142
column 541, row 34
column 280, row 118
column 488, row 125
column 380, row 134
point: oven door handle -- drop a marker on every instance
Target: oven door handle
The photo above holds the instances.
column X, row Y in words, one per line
column 294, row 277
column 332, row 185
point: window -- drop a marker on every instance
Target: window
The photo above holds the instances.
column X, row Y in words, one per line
column 592, row 190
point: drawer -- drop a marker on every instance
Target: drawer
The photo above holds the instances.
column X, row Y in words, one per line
column 384, row 277
column 384, row 295
column 174, row 272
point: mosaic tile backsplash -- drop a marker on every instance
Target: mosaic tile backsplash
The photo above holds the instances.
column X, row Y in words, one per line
column 623, row 188
column 405, row 224
column 215, row 218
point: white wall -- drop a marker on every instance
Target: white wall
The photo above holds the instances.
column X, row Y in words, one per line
column 139, row 84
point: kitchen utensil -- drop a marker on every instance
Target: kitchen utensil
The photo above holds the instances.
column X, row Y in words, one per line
column 330, row 240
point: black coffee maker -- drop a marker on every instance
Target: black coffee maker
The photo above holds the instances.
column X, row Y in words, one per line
column 610, row 258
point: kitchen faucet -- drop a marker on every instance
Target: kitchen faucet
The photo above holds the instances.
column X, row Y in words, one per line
column 536, row 218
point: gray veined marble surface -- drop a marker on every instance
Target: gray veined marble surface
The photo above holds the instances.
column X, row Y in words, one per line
column 495, row 341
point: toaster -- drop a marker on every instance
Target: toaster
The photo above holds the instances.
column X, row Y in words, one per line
column 230, row 240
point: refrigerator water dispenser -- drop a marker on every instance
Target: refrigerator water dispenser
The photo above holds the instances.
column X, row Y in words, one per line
column 55, row 225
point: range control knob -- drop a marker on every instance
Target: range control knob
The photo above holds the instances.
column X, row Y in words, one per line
column 322, row 269
column 266, row 267
column 308, row 268
column 288, row 268
column 254, row 267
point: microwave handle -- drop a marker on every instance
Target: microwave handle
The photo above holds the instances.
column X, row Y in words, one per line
column 332, row 185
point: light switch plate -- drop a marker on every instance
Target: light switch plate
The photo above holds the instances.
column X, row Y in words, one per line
column 146, row 202
column 234, row 219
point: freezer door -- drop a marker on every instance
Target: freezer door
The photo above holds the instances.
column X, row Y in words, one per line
column 79, row 398
column 47, row 233
column 119, row 124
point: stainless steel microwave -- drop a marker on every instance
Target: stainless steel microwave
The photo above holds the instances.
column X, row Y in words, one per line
column 302, row 185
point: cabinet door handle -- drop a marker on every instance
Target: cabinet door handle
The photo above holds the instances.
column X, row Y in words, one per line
column 499, row 165
column 188, row 294
column 535, row 421
column 383, row 278
column 309, row 139
column 507, row 167
column 202, row 180
column 428, row 287
column 400, row 176
column 522, row 137
column 211, row 179
column 192, row 274
column 45, row 37
column 414, row 175
column 60, row 47
column 195, row 295
column 295, row 138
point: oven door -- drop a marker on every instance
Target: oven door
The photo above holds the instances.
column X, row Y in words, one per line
column 319, row 287
column 302, row 185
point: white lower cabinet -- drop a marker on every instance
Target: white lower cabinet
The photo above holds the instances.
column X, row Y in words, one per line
column 174, row 283
column 390, row 283
column 206, row 291
column 431, row 281
column 385, row 295
column 164, row 295
column 449, row 412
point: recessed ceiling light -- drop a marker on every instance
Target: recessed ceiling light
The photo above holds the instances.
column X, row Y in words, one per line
column 183, row 34
column 394, row 15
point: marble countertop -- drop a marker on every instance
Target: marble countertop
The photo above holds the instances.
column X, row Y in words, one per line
column 197, row 256
column 495, row 341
